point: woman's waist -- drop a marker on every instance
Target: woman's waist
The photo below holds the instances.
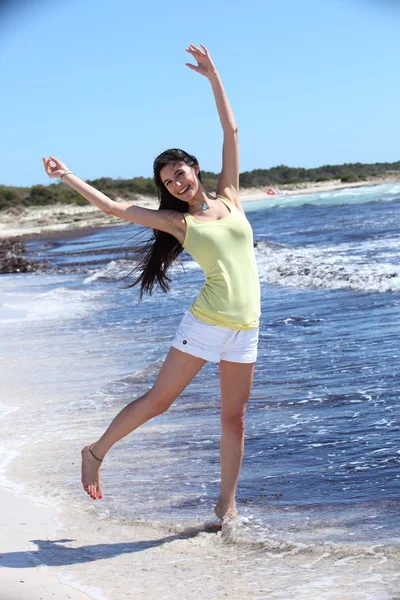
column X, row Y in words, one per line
column 225, row 316
column 230, row 300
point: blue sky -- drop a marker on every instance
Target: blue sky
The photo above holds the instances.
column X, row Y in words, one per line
column 103, row 85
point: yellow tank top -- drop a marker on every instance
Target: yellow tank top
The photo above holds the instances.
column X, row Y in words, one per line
column 224, row 249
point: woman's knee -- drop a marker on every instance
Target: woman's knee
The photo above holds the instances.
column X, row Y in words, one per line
column 233, row 423
column 158, row 403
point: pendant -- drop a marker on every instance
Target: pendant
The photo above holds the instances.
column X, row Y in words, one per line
column 204, row 206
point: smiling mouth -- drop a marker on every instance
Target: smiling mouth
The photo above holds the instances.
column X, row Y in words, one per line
column 184, row 190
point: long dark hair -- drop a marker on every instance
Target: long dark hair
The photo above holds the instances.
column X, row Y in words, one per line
column 162, row 249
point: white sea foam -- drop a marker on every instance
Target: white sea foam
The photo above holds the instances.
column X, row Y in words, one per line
column 116, row 270
column 6, row 457
column 92, row 591
column 60, row 303
column 334, row 267
column 6, row 410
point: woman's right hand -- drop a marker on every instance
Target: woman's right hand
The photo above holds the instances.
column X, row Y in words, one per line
column 205, row 65
column 54, row 167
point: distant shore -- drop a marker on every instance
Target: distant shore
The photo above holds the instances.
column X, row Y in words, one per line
column 38, row 221
column 314, row 187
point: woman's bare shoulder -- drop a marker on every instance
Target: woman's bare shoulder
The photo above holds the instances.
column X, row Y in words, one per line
column 232, row 195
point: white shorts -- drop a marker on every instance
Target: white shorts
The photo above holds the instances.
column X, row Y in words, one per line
column 215, row 343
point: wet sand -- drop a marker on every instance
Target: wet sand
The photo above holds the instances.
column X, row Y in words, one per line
column 21, row 576
column 47, row 554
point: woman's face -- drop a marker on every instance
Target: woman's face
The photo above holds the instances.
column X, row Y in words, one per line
column 180, row 180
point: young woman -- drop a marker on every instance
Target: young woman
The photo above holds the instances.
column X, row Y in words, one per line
column 222, row 324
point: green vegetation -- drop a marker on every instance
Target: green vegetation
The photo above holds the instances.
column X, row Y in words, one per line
column 350, row 172
column 40, row 195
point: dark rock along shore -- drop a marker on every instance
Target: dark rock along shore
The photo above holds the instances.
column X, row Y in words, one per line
column 13, row 259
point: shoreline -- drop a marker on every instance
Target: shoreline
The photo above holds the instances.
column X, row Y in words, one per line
column 43, row 558
column 23, row 577
column 314, row 187
column 61, row 218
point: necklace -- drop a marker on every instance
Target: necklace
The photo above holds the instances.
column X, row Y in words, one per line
column 204, row 206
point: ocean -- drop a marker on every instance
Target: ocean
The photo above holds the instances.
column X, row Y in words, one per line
column 320, row 481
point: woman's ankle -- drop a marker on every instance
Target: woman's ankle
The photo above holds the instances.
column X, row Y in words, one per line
column 97, row 451
column 225, row 508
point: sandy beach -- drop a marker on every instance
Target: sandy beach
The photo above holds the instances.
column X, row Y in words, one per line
column 42, row 560
column 35, row 221
column 22, row 577
column 35, row 557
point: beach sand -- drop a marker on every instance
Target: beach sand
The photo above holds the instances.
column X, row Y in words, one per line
column 35, row 221
column 20, row 578
column 148, row 563
column 48, row 554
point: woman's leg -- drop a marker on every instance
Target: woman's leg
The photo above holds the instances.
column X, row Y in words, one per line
column 236, row 380
column 176, row 373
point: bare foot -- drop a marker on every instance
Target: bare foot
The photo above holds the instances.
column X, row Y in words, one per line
column 91, row 474
column 225, row 509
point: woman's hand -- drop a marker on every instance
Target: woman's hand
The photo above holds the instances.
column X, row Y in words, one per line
column 205, row 65
column 54, row 167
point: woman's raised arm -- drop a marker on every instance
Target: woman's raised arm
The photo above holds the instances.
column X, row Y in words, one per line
column 228, row 182
column 163, row 220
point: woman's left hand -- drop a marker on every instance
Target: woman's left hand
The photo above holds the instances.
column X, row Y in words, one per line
column 54, row 167
column 205, row 65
